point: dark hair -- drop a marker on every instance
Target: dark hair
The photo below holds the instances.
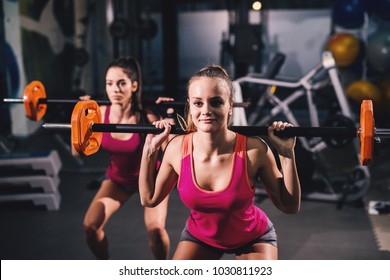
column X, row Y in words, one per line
column 131, row 67
column 210, row 71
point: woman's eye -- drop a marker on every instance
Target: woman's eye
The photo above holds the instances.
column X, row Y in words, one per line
column 216, row 103
column 198, row 104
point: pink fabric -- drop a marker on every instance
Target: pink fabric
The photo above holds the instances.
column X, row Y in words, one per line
column 225, row 219
column 125, row 157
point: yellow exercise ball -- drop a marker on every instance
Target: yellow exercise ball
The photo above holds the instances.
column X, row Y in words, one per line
column 345, row 48
column 362, row 89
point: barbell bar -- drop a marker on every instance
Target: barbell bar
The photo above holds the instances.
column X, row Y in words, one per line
column 344, row 132
column 86, row 129
column 35, row 101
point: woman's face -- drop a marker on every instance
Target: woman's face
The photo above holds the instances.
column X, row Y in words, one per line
column 119, row 87
column 210, row 105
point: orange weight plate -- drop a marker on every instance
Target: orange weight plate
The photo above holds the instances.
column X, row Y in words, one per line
column 33, row 92
column 366, row 132
column 84, row 115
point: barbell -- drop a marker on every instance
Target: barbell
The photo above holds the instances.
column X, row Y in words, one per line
column 86, row 129
column 35, row 101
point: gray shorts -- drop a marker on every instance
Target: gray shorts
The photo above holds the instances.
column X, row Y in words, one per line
column 268, row 237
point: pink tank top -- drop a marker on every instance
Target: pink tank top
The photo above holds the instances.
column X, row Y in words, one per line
column 225, row 219
column 125, row 157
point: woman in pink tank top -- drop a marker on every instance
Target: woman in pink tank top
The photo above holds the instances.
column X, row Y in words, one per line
column 123, row 88
column 216, row 174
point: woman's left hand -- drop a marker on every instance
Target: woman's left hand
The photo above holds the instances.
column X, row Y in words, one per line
column 284, row 146
column 170, row 111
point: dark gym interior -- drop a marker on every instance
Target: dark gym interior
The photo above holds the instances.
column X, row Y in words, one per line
column 67, row 44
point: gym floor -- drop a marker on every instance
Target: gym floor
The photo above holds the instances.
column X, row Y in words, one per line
column 321, row 231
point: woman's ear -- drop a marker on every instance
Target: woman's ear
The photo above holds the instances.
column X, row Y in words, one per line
column 134, row 86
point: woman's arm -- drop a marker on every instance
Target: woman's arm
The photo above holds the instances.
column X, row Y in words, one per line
column 153, row 190
column 169, row 116
column 282, row 185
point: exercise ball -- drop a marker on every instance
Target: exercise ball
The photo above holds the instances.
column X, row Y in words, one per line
column 380, row 8
column 378, row 50
column 363, row 89
column 349, row 13
column 345, row 48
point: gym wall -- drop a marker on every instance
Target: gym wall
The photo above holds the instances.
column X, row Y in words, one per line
column 16, row 79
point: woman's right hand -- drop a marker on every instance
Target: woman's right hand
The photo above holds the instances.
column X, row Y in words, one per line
column 153, row 142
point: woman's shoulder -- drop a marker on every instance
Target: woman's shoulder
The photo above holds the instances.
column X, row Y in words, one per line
column 256, row 144
column 173, row 151
column 257, row 150
column 176, row 142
